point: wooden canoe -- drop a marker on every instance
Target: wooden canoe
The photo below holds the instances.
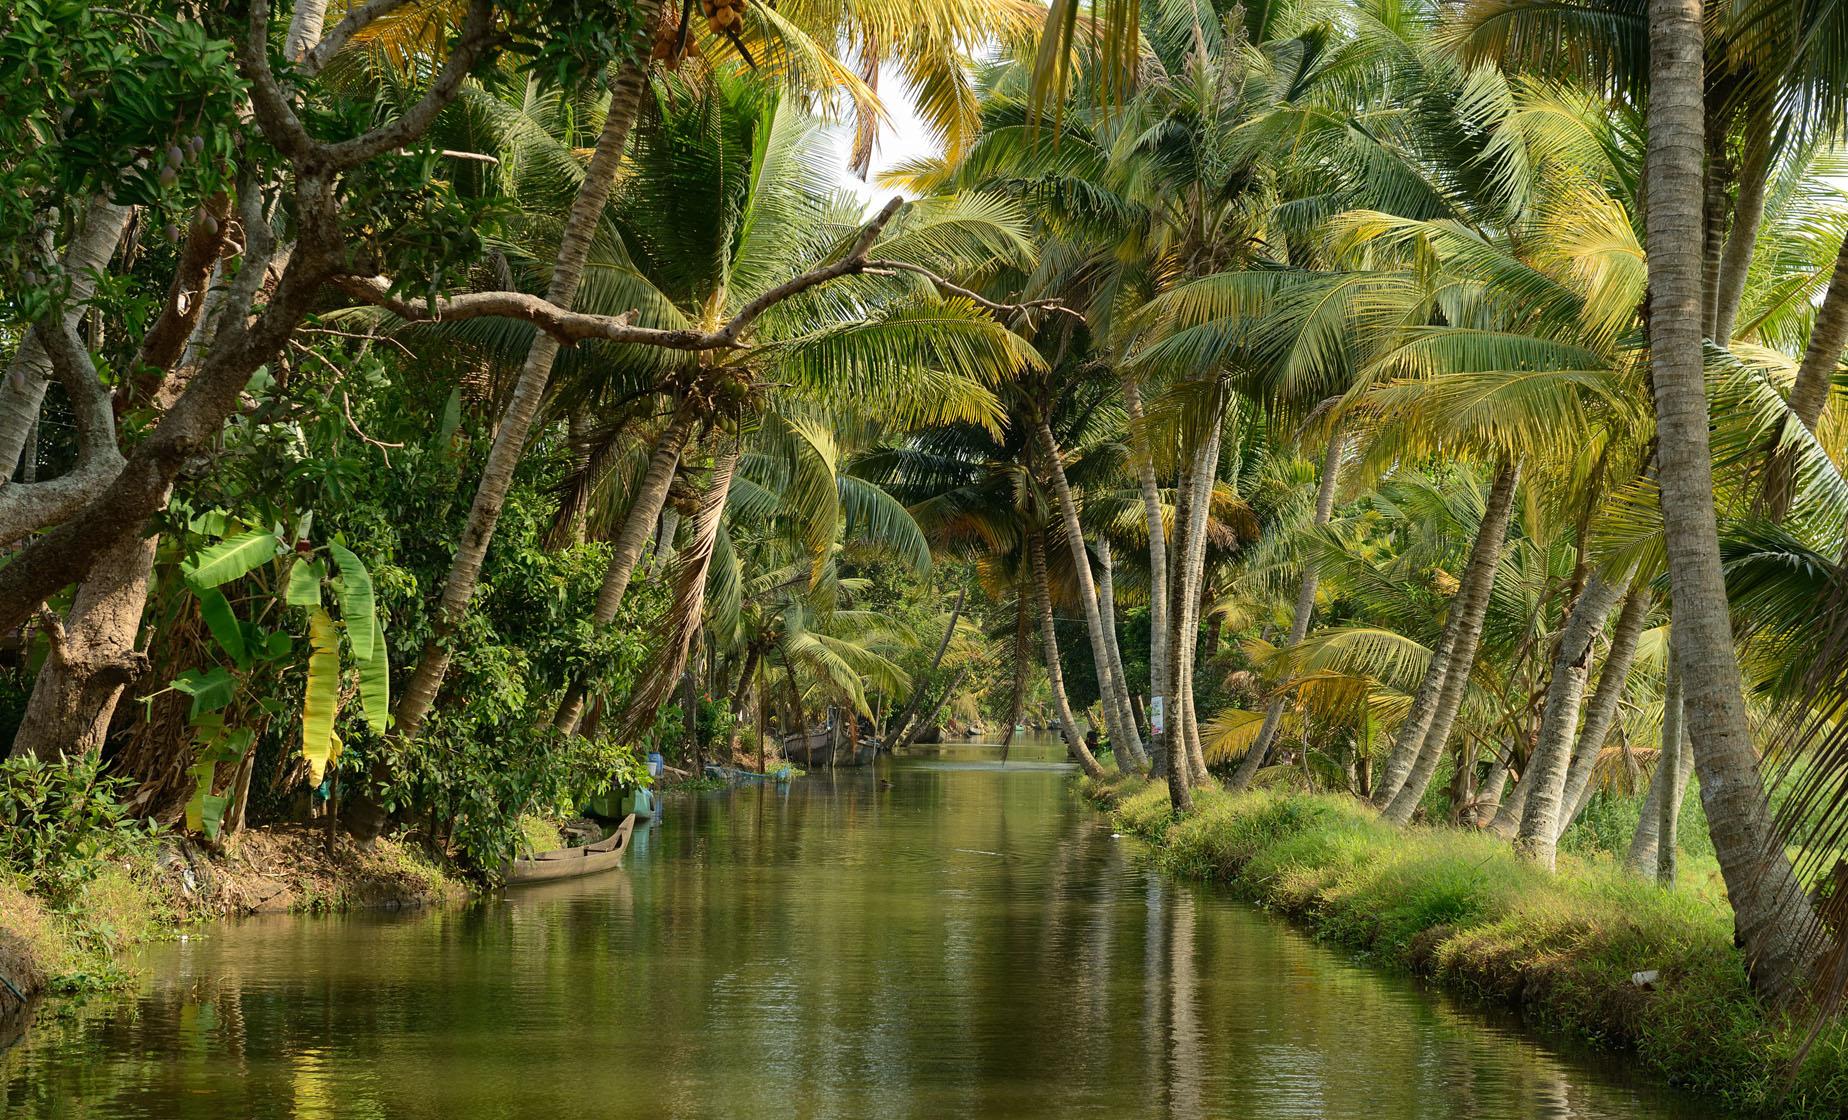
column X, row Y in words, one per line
column 569, row 863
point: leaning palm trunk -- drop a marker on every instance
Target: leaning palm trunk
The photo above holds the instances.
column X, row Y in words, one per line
column 1106, row 606
column 1122, row 727
column 1771, row 912
column 901, row 727
column 1055, row 674
column 1159, row 646
column 529, row 391
column 1748, row 214
column 1547, row 767
column 1472, row 606
column 1809, row 394
column 1601, row 716
column 687, row 609
column 626, row 550
column 1670, row 780
column 1299, row 622
column 1192, row 576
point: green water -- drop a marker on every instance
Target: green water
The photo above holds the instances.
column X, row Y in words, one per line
column 967, row 942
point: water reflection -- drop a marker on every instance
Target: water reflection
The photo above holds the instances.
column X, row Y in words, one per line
column 969, row 942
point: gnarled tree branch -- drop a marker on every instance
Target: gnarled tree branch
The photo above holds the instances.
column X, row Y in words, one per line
column 571, row 327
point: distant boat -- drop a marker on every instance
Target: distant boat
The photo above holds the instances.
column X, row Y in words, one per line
column 569, row 863
column 821, row 749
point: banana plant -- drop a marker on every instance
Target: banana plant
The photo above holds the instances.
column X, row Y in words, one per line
column 313, row 578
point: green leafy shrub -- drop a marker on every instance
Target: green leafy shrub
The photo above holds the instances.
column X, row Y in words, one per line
column 61, row 823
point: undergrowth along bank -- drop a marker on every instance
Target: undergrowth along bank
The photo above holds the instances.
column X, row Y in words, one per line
column 1462, row 910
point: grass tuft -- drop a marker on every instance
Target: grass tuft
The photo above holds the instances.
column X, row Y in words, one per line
column 1461, row 909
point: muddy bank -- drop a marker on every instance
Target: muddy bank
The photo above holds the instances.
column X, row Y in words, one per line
column 85, row 945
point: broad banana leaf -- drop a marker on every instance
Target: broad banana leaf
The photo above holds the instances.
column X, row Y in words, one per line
column 357, row 608
column 229, row 559
column 305, row 583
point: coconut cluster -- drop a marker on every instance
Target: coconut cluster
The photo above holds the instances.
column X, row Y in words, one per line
column 723, row 16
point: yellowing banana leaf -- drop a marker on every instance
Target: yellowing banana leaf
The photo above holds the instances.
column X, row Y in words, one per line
column 322, row 695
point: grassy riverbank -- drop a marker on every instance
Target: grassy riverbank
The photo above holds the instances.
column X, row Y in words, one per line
column 79, row 938
column 1461, row 910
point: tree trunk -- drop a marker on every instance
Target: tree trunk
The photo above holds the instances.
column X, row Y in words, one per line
column 92, row 658
column 1770, row 909
column 1667, row 781
column 22, row 392
column 1675, row 762
column 1748, row 213
column 1123, row 737
column 304, row 28
column 626, row 550
column 919, row 688
column 1471, row 605
column 529, row 391
column 1547, row 767
column 1201, row 479
column 1409, row 740
column 1494, row 789
column 1055, row 674
column 1106, row 606
column 1159, row 646
column 687, row 610
column 1305, row 609
column 1017, row 706
column 1809, row 393
column 1602, row 715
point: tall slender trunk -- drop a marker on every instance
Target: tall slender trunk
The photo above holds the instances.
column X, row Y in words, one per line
column 1159, row 647
column 1676, row 765
column 901, row 726
column 1201, row 479
column 1748, row 214
column 1494, row 788
column 1713, row 236
column 1471, row 605
column 1547, row 768
column 529, row 391
column 1305, row 608
column 92, row 658
column 1601, row 716
column 1123, row 737
column 1119, row 678
column 1410, row 738
column 1809, row 393
column 686, row 611
column 1055, row 674
column 1017, row 706
column 1770, row 909
column 626, row 550
column 1669, row 781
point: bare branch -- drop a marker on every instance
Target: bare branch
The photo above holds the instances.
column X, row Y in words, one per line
column 1000, row 310
column 571, row 327
column 357, row 19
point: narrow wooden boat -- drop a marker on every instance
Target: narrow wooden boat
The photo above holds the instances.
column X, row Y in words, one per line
column 569, row 863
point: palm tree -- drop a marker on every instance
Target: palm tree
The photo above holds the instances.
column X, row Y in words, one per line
column 1764, row 892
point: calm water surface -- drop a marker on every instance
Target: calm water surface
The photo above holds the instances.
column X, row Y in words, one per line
column 969, row 942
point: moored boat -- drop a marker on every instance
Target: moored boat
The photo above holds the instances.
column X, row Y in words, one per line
column 569, row 863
